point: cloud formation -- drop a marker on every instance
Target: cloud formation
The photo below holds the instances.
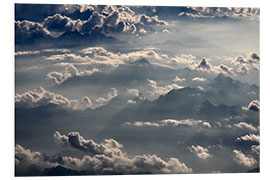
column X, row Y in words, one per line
column 101, row 157
column 199, row 79
column 107, row 20
column 160, row 90
column 246, row 126
column 200, row 152
column 243, row 160
column 222, row 13
column 171, row 123
column 41, row 97
column 249, row 137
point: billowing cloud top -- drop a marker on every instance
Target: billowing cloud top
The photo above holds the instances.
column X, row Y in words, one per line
column 106, row 156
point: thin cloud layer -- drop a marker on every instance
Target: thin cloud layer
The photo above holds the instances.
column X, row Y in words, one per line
column 171, row 123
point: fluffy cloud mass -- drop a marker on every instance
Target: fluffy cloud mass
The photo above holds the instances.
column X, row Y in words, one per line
column 200, row 152
column 160, row 90
column 102, row 20
column 249, row 137
column 41, row 97
column 101, row 157
column 243, row 160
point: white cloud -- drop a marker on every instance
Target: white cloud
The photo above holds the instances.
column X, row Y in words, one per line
column 160, row 90
column 200, row 152
column 199, row 79
column 249, row 137
column 243, row 160
column 245, row 126
column 41, row 97
column 108, row 155
column 133, row 92
column 172, row 123
column 107, row 97
column 177, row 79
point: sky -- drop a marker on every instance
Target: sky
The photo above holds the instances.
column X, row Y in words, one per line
column 136, row 90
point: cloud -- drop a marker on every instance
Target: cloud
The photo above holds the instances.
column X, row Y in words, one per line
column 62, row 50
column 244, row 64
column 222, row 13
column 243, row 160
column 70, row 71
column 200, row 152
column 133, row 92
column 108, row 155
column 58, row 23
column 255, row 149
column 28, row 31
column 160, row 90
column 199, row 79
column 226, row 69
column 245, row 126
column 41, row 97
column 34, row 157
column 102, row 19
column 130, row 101
column 108, row 97
column 177, row 79
column 249, row 137
column 171, row 123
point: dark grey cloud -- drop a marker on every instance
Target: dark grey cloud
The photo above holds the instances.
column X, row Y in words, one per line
column 28, row 31
column 58, row 23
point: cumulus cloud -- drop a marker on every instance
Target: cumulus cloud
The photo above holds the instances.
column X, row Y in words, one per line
column 103, row 20
column 242, row 159
column 244, row 64
column 255, row 149
column 200, row 152
column 133, row 92
column 246, row 126
column 199, row 79
column 28, row 31
column 177, row 79
column 108, row 155
column 58, row 23
column 226, row 69
column 41, row 97
column 70, row 71
column 108, row 97
column 249, row 137
column 160, row 90
column 171, row 123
